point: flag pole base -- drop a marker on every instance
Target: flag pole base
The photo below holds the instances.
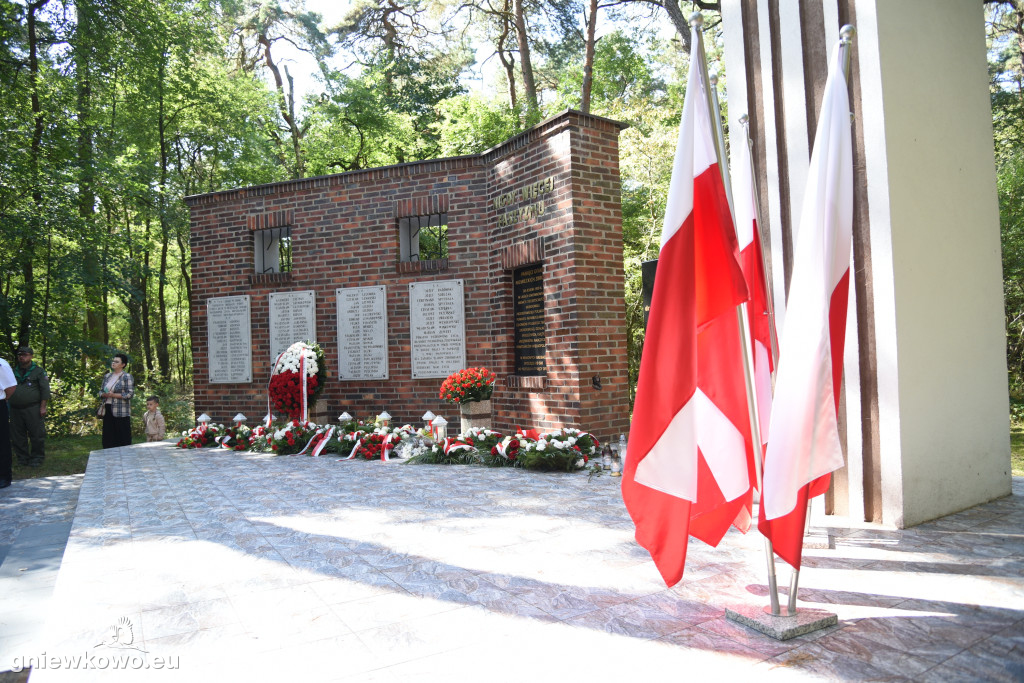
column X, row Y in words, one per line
column 784, row 626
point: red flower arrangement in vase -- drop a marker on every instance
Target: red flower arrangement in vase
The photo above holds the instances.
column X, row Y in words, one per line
column 468, row 385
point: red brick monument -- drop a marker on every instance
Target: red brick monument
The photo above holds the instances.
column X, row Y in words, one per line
column 510, row 260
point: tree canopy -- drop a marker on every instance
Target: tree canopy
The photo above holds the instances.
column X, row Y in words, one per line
column 113, row 111
column 1005, row 27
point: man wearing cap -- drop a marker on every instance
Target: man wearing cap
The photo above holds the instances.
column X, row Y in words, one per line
column 28, row 408
column 7, row 386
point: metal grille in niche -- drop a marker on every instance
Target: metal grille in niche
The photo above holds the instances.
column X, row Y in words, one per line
column 273, row 250
column 424, row 238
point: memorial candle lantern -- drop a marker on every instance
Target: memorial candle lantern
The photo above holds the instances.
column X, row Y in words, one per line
column 204, row 420
column 344, row 418
column 616, row 465
column 239, row 419
column 606, row 458
column 440, row 428
column 427, row 417
column 384, row 418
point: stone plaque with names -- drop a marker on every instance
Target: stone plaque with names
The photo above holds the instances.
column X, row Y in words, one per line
column 437, row 328
column 229, row 337
column 362, row 333
column 528, row 306
column 292, row 319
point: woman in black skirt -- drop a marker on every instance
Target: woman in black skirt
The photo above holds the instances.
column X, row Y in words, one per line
column 116, row 393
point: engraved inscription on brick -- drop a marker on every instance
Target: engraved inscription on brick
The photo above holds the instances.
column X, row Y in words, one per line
column 292, row 319
column 229, row 339
column 362, row 333
column 438, row 329
column 528, row 300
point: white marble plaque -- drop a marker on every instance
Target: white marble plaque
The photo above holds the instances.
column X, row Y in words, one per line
column 228, row 339
column 362, row 332
column 437, row 328
column 292, row 319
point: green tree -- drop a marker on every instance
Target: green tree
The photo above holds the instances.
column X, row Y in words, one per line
column 256, row 27
column 112, row 112
column 1005, row 29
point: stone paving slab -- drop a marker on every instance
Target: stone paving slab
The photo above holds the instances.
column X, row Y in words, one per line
column 254, row 567
column 35, row 521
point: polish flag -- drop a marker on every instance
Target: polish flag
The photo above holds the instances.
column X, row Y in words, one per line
column 689, row 465
column 804, row 448
column 752, row 261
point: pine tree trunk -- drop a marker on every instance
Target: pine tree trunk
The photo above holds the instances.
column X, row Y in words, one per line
column 526, row 64
column 91, row 240
column 147, row 345
column 588, row 59
column 162, row 352
column 28, row 245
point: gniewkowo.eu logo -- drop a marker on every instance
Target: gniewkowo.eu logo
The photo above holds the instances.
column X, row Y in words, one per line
column 117, row 651
column 93, row 660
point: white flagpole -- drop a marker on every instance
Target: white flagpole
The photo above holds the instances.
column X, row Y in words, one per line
column 846, row 34
column 697, row 22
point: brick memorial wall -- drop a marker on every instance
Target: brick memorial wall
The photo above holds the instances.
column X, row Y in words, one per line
column 533, row 232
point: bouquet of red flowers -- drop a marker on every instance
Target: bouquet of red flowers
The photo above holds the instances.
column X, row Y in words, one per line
column 236, row 438
column 204, row 436
column 286, row 392
column 504, row 453
column 371, row 447
column 469, row 385
column 286, row 380
column 292, row 438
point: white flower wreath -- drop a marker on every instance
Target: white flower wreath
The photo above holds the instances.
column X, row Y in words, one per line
column 289, row 360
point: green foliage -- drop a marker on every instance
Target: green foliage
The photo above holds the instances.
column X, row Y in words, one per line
column 623, row 76
column 129, row 107
column 473, row 123
column 387, row 114
column 1011, row 210
column 1017, row 451
column 547, row 461
column 71, row 410
column 176, row 405
column 64, row 455
column 1005, row 39
column 133, row 105
column 435, row 455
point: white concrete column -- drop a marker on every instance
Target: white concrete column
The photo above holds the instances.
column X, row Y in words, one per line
column 935, row 254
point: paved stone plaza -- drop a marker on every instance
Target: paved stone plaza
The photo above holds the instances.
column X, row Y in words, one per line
column 252, row 567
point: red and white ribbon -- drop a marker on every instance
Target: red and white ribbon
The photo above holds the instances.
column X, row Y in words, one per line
column 323, row 443
column 306, row 447
column 303, row 387
column 355, row 448
column 317, row 443
column 454, row 446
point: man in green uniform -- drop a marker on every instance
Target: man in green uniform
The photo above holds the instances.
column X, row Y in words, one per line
column 28, row 408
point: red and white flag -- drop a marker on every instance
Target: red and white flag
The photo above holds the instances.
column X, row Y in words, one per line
column 804, row 447
column 689, row 465
column 748, row 235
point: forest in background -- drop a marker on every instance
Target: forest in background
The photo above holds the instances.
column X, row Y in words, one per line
column 114, row 110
